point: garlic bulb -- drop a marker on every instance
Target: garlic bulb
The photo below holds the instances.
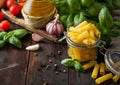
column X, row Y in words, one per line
column 55, row 27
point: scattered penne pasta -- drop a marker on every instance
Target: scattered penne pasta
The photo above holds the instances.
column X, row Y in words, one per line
column 104, row 78
column 102, row 68
column 95, row 71
column 116, row 78
column 89, row 65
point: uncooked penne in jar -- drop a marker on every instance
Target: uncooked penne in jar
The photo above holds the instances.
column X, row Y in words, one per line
column 95, row 71
column 104, row 78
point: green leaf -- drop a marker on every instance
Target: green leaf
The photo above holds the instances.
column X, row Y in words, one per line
column 63, row 19
column 79, row 17
column 2, row 43
column 116, row 3
column 19, row 33
column 94, row 9
column 74, row 5
column 59, row 3
column 8, row 35
column 68, row 62
column 117, row 23
column 106, row 38
column 2, row 34
column 15, row 41
column 105, row 18
column 87, row 2
column 70, row 20
column 114, row 32
column 77, row 66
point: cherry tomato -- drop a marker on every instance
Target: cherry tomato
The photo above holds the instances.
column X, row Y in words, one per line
column 5, row 25
column 21, row 4
column 15, row 9
column 9, row 3
column 1, row 16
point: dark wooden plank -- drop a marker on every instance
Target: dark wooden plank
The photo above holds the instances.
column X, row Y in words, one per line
column 44, row 70
column 10, row 55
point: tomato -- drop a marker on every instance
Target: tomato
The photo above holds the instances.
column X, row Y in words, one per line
column 21, row 4
column 5, row 25
column 1, row 16
column 15, row 9
column 9, row 3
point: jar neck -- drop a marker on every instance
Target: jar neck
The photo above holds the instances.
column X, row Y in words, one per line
column 81, row 46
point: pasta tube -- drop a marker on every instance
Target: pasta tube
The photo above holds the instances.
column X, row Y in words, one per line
column 104, row 78
column 95, row 71
column 82, row 24
column 102, row 68
column 116, row 78
column 89, row 65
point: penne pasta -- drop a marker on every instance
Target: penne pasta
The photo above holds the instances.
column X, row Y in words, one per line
column 82, row 36
column 102, row 68
column 92, row 34
column 95, row 71
column 96, row 31
column 82, row 24
column 116, row 78
column 89, row 65
column 104, row 78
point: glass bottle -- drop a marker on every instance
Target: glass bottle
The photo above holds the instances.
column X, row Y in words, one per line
column 38, row 7
column 37, row 13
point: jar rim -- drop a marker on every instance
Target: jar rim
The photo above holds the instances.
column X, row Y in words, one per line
column 82, row 46
column 111, row 63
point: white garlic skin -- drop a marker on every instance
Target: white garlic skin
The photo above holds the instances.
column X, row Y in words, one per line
column 55, row 28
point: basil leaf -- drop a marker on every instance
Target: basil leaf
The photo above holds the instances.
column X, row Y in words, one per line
column 105, row 18
column 87, row 2
column 2, row 43
column 8, row 35
column 74, row 5
column 70, row 20
column 2, row 34
column 68, row 62
column 77, row 66
column 15, row 41
column 63, row 19
column 79, row 17
column 20, row 33
column 117, row 23
column 114, row 32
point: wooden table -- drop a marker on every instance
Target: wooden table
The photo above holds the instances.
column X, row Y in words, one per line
column 42, row 67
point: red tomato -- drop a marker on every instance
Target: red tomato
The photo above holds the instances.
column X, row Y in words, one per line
column 21, row 4
column 15, row 9
column 1, row 16
column 5, row 25
column 9, row 3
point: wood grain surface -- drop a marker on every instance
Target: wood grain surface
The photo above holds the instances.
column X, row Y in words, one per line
column 42, row 67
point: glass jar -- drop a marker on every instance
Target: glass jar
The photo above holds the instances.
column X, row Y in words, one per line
column 82, row 53
column 112, row 61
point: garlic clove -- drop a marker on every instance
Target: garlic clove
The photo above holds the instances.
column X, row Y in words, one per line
column 33, row 47
column 36, row 37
